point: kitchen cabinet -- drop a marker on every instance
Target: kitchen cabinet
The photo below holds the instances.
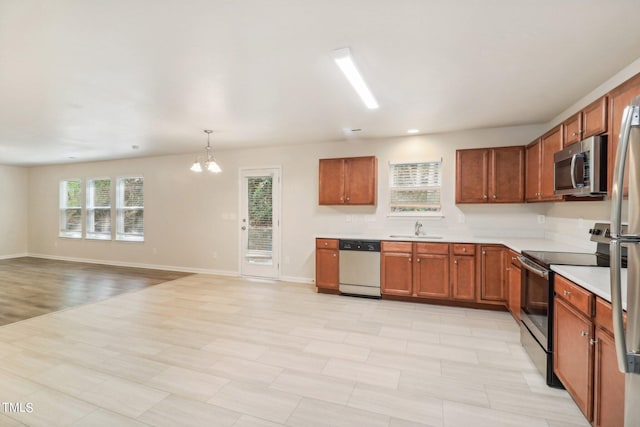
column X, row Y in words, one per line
column 348, row 181
column 396, row 268
column 431, row 270
column 539, row 175
column 532, row 171
column 514, row 279
column 591, row 120
column 463, row 271
column 585, row 356
column 327, row 264
column 608, row 394
column 619, row 98
column 415, row 269
column 573, row 354
column 492, row 275
column 490, row 175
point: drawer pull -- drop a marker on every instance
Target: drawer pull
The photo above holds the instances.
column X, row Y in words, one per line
column 464, row 249
column 566, row 293
column 584, row 333
column 593, row 342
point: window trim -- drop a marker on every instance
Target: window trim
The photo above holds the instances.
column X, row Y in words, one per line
column 93, row 235
column 62, row 201
column 121, row 236
column 416, row 214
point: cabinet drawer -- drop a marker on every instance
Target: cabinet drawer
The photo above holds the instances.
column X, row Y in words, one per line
column 432, row 248
column 579, row 298
column 387, row 246
column 604, row 317
column 513, row 259
column 327, row 243
column 464, row 248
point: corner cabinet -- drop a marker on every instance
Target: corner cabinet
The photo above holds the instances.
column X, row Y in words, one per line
column 327, row 265
column 490, row 175
column 348, row 181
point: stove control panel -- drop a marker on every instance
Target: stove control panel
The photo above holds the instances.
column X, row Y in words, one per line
column 601, row 232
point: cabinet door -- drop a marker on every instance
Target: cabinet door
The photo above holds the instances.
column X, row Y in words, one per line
column 515, row 290
column 331, row 182
column 471, row 176
column 532, row 172
column 608, row 395
column 463, row 277
column 551, row 143
column 431, row 276
column 573, row 354
column 492, row 284
column 327, row 268
column 572, row 129
column 594, row 118
column 619, row 98
column 506, row 175
column 396, row 273
column 361, row 175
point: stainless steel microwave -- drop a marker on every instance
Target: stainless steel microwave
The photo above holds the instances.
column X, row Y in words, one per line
column 581, row 168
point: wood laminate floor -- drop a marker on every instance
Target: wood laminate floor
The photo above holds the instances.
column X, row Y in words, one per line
column 31, row 287
column 218, row 351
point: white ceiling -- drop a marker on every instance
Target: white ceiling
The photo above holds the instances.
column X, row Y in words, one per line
column 90, row 79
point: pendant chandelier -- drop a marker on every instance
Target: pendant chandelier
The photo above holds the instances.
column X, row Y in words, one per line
column 210, row 164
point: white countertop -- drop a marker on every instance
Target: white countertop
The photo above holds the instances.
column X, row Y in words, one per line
column 594, row 279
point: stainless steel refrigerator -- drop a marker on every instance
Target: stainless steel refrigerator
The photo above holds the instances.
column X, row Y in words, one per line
column 627, row 342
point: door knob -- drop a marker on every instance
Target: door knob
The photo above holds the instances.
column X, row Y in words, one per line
column 243, row 227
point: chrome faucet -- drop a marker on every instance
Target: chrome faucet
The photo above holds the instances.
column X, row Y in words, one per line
column 417, row 228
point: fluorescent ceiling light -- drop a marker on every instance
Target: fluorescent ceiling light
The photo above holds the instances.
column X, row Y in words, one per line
column 413, row 130
column 345, row 63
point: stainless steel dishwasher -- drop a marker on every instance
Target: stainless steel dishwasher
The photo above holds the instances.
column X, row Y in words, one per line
column 360, row 268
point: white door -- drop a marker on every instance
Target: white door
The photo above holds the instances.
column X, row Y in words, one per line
column 260, row 222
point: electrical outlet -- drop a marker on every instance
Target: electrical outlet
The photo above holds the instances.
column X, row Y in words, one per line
column 541, row 219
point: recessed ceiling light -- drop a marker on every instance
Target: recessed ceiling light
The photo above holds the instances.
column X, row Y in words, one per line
column 346, row 64
column 413, row 130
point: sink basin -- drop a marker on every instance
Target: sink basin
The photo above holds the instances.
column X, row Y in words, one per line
column 413, row 236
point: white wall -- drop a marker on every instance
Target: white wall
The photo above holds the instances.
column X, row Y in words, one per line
column 191, row 220
column 13, row 211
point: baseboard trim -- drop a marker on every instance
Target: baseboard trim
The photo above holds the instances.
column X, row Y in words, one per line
column 296, row 279
column 138, row 265
column 11, row 256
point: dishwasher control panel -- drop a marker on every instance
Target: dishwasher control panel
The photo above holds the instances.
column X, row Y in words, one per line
column 360, row 245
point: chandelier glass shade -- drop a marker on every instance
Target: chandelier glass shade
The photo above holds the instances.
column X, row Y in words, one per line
column 210, row 163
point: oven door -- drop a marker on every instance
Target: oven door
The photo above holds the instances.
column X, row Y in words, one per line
column 534, row 306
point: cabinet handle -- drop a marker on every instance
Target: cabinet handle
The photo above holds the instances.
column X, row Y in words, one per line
column 593, row 342
column 342, row 199
column 494, row 196
column 566, row 293
column 484, row 252
column 409, row 259
column 326, row 243
column 484, row 196
column 513, row 258
column 334, row 255
column 464, row 249
column 584, row 333
column 418, row 260
column 455, row 261
column 575, row 133
column 348, row 198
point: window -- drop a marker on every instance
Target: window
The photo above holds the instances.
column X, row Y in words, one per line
column 415, row 188
column 70, row 208
column 130, row 209
column 99, row 209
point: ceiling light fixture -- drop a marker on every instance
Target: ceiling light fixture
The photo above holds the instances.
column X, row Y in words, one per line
column 413, row 131
column 210, row 164
column 345, row 62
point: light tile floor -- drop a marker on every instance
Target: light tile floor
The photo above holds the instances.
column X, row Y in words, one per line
column 216, row 351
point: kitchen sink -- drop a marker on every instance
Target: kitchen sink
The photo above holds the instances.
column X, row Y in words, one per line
column 413, row 236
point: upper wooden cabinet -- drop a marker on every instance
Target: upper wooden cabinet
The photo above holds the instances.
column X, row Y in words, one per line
column 539, row 177
column 348, row 181
column 619, row 98
column 490, row 175
column 592, row 120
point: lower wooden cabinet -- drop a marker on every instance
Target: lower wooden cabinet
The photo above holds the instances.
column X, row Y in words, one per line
column 431, row 270
column 463, row 272
column 492, row 275
column 585, row 356
column 514, row 280
column 327, row 264
column 396, row 268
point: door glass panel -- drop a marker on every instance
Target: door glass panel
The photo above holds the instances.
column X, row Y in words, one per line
column 259, row 248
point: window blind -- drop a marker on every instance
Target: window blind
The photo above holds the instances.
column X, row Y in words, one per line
column 415, row 187
column 70, row 208
column 130, row 209
column 260, row 194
